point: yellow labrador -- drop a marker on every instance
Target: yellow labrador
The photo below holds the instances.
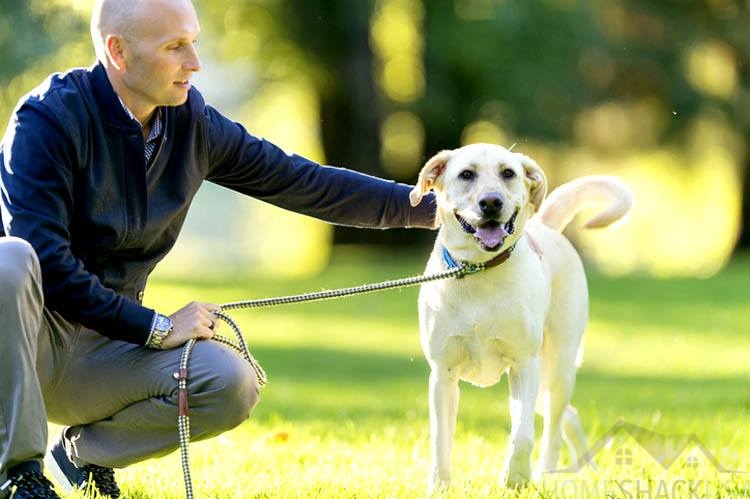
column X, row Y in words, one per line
column 525, row 314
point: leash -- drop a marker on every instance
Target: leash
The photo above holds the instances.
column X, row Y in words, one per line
column 454, row 270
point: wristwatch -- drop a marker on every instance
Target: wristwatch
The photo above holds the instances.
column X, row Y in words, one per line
column 160, row 329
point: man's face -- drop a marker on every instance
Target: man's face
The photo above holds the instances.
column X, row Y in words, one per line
column 160, row 54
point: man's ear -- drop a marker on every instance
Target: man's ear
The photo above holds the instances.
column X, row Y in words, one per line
column 535, row 179
column 114, row 48
column 428, row 175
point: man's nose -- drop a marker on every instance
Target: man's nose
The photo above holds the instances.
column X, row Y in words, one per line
column 193, row 62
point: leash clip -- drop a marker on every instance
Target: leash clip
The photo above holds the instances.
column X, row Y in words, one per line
column 470, row 268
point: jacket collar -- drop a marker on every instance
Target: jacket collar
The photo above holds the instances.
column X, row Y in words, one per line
column 112, row 111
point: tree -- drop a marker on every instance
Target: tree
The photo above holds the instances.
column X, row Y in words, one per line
column 33, row 37
column 534, row 67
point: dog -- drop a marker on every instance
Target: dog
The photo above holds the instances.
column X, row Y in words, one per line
column 524, row 314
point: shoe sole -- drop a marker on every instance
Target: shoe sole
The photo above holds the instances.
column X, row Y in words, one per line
column 57, row 473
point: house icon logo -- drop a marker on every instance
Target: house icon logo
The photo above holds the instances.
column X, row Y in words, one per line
column 666, row 450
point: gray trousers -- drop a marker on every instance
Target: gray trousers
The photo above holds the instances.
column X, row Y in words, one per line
column 119, row 399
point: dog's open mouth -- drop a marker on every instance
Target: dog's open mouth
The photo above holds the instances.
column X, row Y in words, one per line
column 489, row 234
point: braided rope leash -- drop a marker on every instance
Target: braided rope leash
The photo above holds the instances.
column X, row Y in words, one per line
column 183, row 421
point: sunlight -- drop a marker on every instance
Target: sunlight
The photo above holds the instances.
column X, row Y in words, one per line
column 402, row 139
column 82, row 7
column 712, row 69
column 289, row 243
column 685, row 217
column 238, row 42
column 687, row 211
column 227, row 233
column 621, row 124
column 397, row 43
column 484, row 131
column 77, row 53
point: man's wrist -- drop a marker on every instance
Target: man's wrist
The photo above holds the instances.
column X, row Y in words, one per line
column 161, row 326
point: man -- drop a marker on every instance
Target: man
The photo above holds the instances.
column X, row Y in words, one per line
column 97, row 170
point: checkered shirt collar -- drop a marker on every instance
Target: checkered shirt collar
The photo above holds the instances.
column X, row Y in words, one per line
column 156, row 126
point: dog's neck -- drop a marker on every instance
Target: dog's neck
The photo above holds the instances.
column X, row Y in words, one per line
column 501, row 257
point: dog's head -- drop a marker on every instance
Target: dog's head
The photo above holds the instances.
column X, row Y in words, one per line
column 484, row 192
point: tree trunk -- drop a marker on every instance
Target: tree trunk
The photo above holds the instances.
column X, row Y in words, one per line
column 351, row 112
column 743, row 242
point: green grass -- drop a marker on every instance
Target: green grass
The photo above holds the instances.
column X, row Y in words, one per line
column 345, row 413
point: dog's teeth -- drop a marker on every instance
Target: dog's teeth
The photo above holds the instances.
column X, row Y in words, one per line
column 465, row 225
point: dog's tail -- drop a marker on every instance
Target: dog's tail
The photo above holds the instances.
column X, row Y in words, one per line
column 569, row 199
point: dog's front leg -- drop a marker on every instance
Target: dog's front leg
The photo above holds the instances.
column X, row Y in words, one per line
column 443, row 410
column 524, row 383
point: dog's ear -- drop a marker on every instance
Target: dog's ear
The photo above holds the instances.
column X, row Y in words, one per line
column 536, row 180
column 428, row 175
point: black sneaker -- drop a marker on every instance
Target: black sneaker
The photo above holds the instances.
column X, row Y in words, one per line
column 90, row 477
column 29, row 485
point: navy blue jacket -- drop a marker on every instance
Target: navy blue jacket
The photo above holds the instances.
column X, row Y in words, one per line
column 74, row 183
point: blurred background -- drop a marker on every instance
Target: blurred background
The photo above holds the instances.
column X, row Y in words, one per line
column 655, row 92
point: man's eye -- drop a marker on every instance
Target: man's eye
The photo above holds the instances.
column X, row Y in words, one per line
column 467, row 175
column 508, row 173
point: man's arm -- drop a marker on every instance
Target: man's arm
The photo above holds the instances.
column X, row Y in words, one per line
column 262, row 170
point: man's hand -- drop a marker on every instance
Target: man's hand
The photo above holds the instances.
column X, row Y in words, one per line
column 194, row 320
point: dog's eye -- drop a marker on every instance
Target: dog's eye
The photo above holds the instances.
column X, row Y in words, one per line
column 508, row 173
column 467, row 175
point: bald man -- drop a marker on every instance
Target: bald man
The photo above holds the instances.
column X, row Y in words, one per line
column 98, row 168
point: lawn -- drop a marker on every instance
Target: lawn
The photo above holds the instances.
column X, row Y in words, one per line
column 345, row 412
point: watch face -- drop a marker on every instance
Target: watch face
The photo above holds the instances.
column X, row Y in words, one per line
column 163, row 323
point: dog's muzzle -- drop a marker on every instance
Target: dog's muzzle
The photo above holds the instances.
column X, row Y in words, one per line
column 489, row 234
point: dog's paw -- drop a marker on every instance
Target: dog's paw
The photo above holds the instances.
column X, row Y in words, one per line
column 517, row 468
column 517, row 482
column 516, row 479
column 437, row 487
column 544, row 465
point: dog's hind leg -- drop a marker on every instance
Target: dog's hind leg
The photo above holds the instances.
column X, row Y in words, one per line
column 564, row 329
column 561, row 421
column 575, row 437
column 555, row 393
column 558, row 377
column 443, row 394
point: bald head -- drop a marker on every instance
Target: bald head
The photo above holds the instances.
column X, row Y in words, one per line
column 147, row 48
column 111, row 17
column 122, row 18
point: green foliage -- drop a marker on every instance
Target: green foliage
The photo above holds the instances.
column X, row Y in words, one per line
column 547, row 61
column 29, row 30
column 534, row 69
column 37, row 38
column 345, row 413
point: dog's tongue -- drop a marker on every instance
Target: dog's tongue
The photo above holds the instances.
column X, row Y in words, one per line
column 491, row 237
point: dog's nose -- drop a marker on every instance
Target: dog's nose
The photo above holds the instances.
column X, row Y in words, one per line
column 491, row 203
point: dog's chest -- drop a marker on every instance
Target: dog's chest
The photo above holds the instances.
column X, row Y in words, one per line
column 479, row 328
column 480, row 348
column 481, row 363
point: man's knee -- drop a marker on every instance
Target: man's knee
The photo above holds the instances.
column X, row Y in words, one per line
column 241, row 395
column 18, row 265
column 231, row 392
